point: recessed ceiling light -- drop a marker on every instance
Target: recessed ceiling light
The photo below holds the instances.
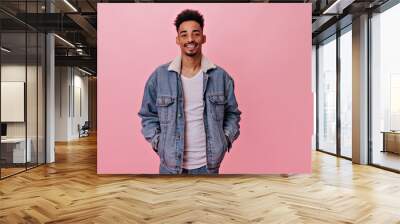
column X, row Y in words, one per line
column 84, row 71
column 64, row 40
column 338, row 6
column 70, row 5
column 5, row 50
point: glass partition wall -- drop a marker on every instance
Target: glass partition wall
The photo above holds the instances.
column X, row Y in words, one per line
column 334, row 93
column 22, row 88
column 334, row 90
column 327, row 95
column 385, row 89
column 346, row 75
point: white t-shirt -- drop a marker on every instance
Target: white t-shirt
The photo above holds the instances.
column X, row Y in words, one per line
column 195, row 137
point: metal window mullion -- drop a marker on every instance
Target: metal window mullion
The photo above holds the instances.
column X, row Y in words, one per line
column 37, row 91
column 26, row 86
column 316, row 97
column 45, row 93
column 338, row 94
column 369, row 89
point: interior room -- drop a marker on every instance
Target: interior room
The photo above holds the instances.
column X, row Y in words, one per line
column 51, row 122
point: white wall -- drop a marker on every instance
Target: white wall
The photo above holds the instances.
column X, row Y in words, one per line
column 15, row 72
column 12, row 73
column 62, row 81
column 81, row 84
column 71, row 93
column 33, row 127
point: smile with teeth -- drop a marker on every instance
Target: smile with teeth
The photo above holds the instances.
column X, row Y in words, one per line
column 190, row 46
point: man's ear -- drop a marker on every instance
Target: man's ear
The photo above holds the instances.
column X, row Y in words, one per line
column 177, row 40
column 204, row 39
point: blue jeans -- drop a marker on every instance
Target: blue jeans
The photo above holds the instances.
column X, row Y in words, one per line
column 197, row 171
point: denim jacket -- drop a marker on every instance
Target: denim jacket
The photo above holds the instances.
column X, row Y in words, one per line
column 163, row 118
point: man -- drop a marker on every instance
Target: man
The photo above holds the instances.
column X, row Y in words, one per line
column 189, row 111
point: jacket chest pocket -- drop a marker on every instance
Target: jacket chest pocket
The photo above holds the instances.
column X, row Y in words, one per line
column 165, row 109
column 217, row 106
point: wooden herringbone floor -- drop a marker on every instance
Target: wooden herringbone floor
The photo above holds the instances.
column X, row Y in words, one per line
column 70, row 191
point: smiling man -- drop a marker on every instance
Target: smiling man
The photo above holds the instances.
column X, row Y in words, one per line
column 189, row 111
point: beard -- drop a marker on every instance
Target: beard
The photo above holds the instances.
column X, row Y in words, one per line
column 191, row 54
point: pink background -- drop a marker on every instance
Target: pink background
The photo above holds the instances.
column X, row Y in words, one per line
column 265, row 47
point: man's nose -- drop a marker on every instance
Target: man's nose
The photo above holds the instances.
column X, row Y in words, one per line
column 190, row 39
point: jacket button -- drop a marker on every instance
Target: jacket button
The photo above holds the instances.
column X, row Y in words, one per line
column 179, row 115
column 177, row 137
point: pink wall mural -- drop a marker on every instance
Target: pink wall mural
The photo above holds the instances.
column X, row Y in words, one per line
column 266, row 48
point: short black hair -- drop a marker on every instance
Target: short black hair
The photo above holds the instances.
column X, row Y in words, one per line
column 189, row 14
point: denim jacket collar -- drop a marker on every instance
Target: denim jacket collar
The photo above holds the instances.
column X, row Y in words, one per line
column 206, row 64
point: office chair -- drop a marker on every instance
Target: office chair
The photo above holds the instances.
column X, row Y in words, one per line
column 84, row 130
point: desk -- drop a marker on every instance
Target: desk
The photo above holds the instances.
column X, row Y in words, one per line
column 13, row 150
column 391, row 141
